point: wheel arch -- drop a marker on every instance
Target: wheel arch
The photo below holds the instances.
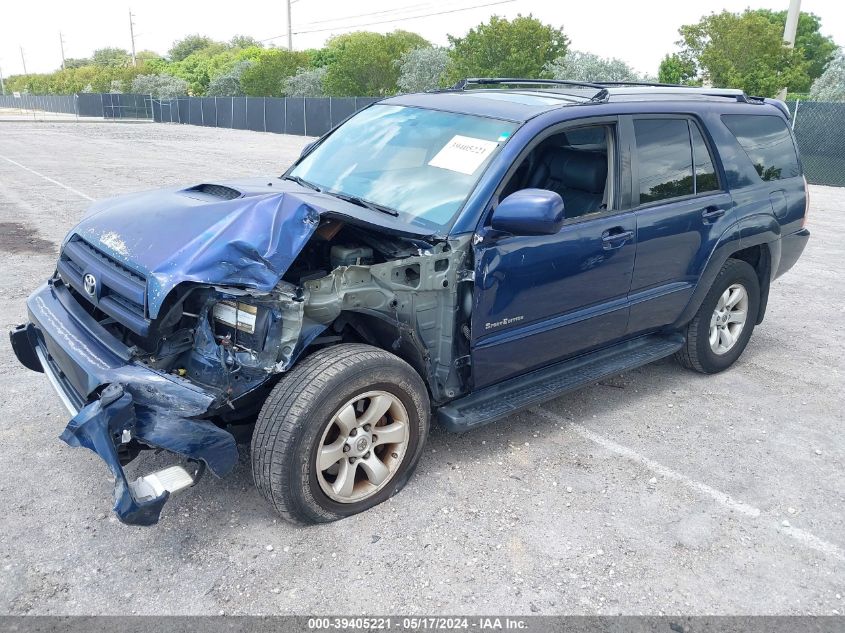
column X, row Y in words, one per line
column 382, row 331
column 754, row 240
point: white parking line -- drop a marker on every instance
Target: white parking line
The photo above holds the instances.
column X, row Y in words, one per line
column 48, row 179
column 723, row 499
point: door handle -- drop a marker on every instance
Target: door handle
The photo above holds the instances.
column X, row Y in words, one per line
column 615, row 238
column 712, row 213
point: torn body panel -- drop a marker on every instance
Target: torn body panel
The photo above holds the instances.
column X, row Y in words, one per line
column 114, row 420
column 417, row 297
column 247, row 287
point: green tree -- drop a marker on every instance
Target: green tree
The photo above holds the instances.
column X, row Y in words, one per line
column 422, row 69
column 677, row 69
column 817, row 49
column 266, row 77
column 521, row 47
column 743, row 50
column 831, row 85
column 363, row 64
column 229, row 84
column 307, row 82
column 245, row 41
column 580, row 66
column 201, row 67
column 110, row 57
column 181, row 49
column 160, row 86
column 77, row 62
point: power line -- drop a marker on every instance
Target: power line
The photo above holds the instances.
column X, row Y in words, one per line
column 422, row 5
column 413, row 17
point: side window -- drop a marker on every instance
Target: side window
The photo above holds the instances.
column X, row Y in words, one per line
column 664, row 159
column 577, row 164
column 767, row 142
column 705, row 171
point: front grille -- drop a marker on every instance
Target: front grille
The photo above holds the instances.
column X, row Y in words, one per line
column 118, row 291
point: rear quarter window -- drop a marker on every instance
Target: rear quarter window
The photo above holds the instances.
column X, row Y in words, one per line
column 767, row 142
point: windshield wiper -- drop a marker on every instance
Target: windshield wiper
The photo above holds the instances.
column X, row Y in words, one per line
column 301, row 181
column 364, row 203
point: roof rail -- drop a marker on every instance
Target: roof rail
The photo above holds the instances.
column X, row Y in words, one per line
column 652, row 84
column 607, row 89
column 600, row 95
column 732, row 93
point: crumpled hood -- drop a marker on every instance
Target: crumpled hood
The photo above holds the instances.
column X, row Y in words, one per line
column 188, row 235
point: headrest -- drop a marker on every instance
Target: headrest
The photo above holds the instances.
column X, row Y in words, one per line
column 586, row 171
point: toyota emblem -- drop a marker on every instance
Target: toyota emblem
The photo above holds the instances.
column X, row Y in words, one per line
column 89, row 282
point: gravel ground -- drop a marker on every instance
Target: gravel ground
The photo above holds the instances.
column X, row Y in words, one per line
column 657, row 491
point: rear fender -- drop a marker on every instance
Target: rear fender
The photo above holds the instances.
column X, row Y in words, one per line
column 751, row 231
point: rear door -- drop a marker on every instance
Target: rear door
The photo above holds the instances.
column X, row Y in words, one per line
column 681, row 211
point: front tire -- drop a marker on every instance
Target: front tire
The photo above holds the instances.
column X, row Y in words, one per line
column 721, row 329
column 340, row 433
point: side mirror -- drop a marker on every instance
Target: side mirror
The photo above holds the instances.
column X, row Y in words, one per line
column 530, row 212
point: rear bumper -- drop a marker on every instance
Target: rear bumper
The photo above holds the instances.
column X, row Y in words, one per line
column 791, row 247
column 114, row 400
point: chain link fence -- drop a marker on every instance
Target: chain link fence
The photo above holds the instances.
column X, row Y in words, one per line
column 55, row 104
column 311, row 116
column 820, row 131
column 819, row 127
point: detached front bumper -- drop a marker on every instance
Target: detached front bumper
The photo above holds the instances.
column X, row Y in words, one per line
column 114, row 400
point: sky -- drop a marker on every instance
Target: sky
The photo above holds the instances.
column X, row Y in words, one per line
column 640, row 33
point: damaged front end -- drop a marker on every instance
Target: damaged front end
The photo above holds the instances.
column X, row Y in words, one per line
column 163, row 337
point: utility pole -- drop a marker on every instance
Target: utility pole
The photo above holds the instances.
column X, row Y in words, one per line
column 2, row 85
column 132, row 36
column 62, row 46
column 290, row 27
column 23, row 60
column 790, row 30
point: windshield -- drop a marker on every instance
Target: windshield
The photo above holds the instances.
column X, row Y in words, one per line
column 421, row 163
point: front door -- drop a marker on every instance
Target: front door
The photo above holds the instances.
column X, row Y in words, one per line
column 541, row 299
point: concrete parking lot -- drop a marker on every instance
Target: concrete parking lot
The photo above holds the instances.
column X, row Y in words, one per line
column 657, row 491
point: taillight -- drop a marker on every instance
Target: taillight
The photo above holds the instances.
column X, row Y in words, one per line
column 806, row 202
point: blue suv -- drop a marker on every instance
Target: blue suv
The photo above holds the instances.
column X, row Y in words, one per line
column 457, row 256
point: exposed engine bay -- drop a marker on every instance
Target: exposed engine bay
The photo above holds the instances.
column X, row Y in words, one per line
column 347, row 283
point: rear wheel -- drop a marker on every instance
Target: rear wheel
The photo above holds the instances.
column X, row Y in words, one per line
column 721, row 329
column 339, row 434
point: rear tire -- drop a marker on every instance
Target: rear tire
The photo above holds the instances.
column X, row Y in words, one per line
column 721, row 329
column 316, row 451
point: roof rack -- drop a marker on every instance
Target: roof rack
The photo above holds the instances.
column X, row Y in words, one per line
column 657, row 89
column 607, row 89
column 652, row 84
column 600, row 95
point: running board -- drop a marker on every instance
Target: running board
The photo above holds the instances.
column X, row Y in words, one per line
column 502, row 400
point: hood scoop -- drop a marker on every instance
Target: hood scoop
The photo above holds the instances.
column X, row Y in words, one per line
column 209, row 191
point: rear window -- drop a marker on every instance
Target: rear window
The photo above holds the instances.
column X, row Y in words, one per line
column 767, row 142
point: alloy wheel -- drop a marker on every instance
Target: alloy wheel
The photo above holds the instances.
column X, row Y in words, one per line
column 362, row 447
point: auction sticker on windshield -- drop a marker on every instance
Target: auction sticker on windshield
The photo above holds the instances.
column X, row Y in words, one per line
column 463, row 154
